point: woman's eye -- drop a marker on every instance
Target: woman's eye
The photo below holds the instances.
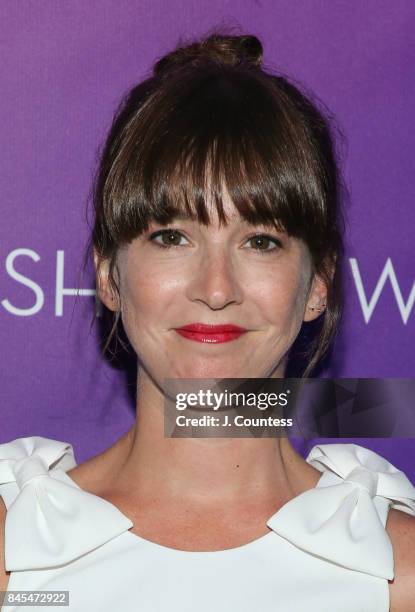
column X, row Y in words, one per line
column 169, row 238
column 264, row 244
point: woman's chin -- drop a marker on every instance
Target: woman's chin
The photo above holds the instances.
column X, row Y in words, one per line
column 209, row 371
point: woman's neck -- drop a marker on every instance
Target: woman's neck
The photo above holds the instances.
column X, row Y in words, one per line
column 204, row 470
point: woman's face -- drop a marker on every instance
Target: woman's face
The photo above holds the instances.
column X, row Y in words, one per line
column 214, row 275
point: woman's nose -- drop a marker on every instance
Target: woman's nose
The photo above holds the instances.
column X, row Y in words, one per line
column 215, row 282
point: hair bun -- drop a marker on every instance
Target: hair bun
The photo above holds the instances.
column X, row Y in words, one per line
column 227, row 50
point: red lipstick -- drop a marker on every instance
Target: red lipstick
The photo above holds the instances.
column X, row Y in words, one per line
column 213, row 334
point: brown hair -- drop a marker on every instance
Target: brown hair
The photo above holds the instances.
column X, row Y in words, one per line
column 211, row 116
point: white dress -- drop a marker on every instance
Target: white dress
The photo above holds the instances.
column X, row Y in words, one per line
column 327, row 549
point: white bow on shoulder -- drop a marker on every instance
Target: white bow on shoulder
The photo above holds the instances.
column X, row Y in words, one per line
column 49, row 519
column 343, row 518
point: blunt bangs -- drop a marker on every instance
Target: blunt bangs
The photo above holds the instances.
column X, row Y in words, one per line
column 227, row 129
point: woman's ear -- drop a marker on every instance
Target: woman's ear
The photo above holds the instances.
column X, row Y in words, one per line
column 317, row 299
column 104, row 290
column 317, row 296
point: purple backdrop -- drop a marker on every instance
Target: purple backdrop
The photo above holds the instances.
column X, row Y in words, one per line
column 64, row 68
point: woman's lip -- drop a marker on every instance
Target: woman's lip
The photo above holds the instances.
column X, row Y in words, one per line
column 203, row 328
column 210, row 338
column 211, row 334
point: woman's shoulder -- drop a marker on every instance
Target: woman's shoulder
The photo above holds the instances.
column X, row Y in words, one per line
column 19, row 459
column 401, row 530
column 368, row 476
column 36, row 488
column 367, row 472
column 343, row 518
column 393, row 496
column 4, row 576
column 26, row 457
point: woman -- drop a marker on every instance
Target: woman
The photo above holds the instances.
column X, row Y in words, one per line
column 216, row 203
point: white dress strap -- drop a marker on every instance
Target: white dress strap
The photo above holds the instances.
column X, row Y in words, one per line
column 343, row 519
column 50, row 520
